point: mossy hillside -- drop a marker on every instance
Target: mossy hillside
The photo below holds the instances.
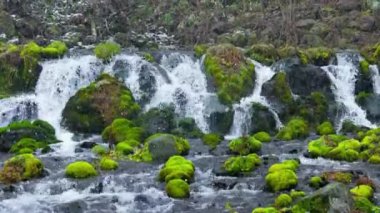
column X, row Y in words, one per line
column 244, row 145
column 241, row 164
column 232, row 74
column 38, row 130
column 160, row 147
column 294, row 129
column 80, row 170
column 282, row 176
column 94, row 107
column 21, row 167
column 106, row 50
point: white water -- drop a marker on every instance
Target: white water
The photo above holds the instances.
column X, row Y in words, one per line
column 375, row 78
column 242, row 116
column 343, row 77
column 17, row 108
column 186, row 88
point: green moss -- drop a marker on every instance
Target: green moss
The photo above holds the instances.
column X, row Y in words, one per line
column 263, row 53
column 232, row 74
column 80, row 170
column 362, row 191
column 149, row 57
column 297, row 194
column 212, row 140
column 342, row 177
column 21, row 167
column 32, row 50
column 283, row 200
column 295, row 128
column 99, row 150
column 320, row 147
column 55, row 49
column 374, row 159
column 177, row 167
column 200, row 50
column 316, row 182
column 282, row 89
column 124, row 148
column 287, row 52
column 325, row 128
column 362, row 97
column 319, row 55
column 241, row 164
column 178, row 188
column 27, row 145
column 106, row 50
column 282, row 176
column 108, row 164
column 364, row 68
column 263, row 137
column 245, row 145
column 265, row 210
column 362, row 204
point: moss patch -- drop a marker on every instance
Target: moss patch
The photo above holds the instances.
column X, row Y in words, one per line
column 21, row 167
column 80, row 170
column 241, row 164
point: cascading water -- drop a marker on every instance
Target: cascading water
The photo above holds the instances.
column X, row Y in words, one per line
column 376, row 78
column 17, row 108
column 242, row 115
column 186, row 88
column 343, row 77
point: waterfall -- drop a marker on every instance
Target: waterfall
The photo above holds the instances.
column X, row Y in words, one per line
column 242, row 116
column 186, row 87
column 376, row 78
column 343, row 77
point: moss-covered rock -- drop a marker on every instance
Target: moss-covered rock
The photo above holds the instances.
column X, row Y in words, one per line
column 337, row 176
column 319, row 56
column 108, row 164
column 27, row 145
column 297, row 194
column 362, row 191
column 212, row 140
column 316, row 182
column 262, row 119
column 263, row 137
column 244, row 145
column 122, row 130
column 265, row 210
column 177, row 167
column 161, row 119
column 124, row 148
column 160, row 147
column 178, row 188
column 283, row 200
column 325, row 128
column 282, row 176
column 200, row 50
column 187, row 128
column 80, row 170
column 362, row 204
column 94, row 107
column 232, row 74
column 263, row 53
column 106, row 50
column 295, row 128
column 322, row 146
column 241, row 164
column 38, row 130
column 99, row 150
column 21, row 167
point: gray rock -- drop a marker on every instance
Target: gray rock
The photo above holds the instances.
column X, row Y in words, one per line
column 162, row 147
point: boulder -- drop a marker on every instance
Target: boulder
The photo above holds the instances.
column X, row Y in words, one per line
column 262, row 119
column 372, row 107
column 221, row 121
column 94, row 107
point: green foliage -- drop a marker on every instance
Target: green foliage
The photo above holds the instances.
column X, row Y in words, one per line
column 27, row 145
column 149, row 57
column 99, row 150
column 178, row 188
column 374, row 159
column 319, row 55
column 364, row 68
column 80, row 170
column 21, row 167
column 108, row 164
column 295, row 128
column 282, row 176
column 232, row 74
column 212, row 140
column 362, row 191
column 362, row 204
column 282, row 89
column 241, row 164
column 325, row 128
column 55, row 49
column 316, row 182
column 244, row 145
column 283, row 200
column 200, row 50
column 106, row 50
column 263, row 137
